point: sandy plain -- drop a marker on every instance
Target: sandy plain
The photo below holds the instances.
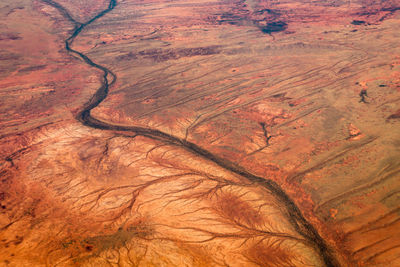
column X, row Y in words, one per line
column 252, row 146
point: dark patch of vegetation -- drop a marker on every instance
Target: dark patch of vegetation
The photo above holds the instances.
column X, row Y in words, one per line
column 395, row 115
column 279, row 95
column 363, row 94
column 230, row 18
column 9, row 56
column 18, row 240
column 266, row 134
column 9, row 36
column 276, row 26
column 32, row 68
column 160, row 55
column 358, row 22
column 115, row 240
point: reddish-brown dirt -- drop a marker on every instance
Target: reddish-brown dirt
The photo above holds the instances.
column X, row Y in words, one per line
column 301, row 94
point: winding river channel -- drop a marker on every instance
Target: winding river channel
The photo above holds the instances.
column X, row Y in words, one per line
column 288, row 207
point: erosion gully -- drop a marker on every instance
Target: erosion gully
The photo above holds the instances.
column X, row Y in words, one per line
column 295, row 217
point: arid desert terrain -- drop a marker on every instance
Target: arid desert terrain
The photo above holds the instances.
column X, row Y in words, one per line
column 200, row 133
